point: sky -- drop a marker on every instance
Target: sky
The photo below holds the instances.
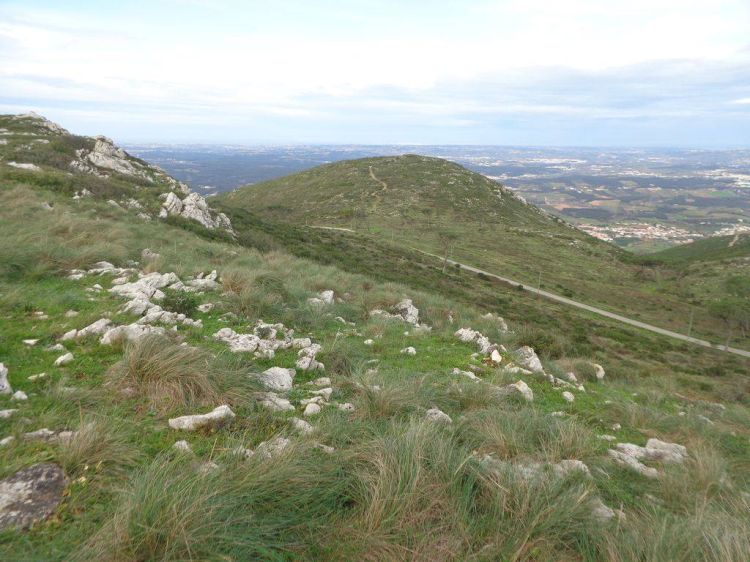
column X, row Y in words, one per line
column 505, row 72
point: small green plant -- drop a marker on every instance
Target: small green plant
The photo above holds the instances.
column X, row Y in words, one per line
column 181, row 302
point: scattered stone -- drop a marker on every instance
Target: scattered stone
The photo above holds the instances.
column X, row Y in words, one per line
column 346, row 406
column 64, row 359
column 409, row 351
column 7, row 440
column 207, row 307
column 519, row 388
column 274, row 402
column 527, row 358
column 20, row 395
column 369, row 342
column 467, row 374
column 437, row 416
column 495, row 357
column 278, row 378
column 5, row 387
column 467, row 335
column 30, row 342
column 568, row 396
column 5, row 414
column 606, row 437
column 271, row 448
column 325, row 448
column 311, row 409
column 215, row 418
column 302, row 426
column 630, row 462
column 149, row 255
column 322, row 381
column 182, row 446
column 408, row 311
column 324, row 392
column 31, row 495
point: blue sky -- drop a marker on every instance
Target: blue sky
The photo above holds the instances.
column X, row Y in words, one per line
column 524, row 72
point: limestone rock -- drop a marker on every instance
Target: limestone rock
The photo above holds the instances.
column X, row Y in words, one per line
column 64, row 359
column 311, row 409
column 5, row 387
column 527, row 358
column 632, row 463
column 30, row 495
column 278, row 379
column 215, row 418
column 438, row 416
column 409, row 351
column 302, row 426
column 274, row 402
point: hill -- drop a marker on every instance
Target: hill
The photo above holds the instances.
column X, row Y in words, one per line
column 706, row 250
column 375, row 416
column 435, row 206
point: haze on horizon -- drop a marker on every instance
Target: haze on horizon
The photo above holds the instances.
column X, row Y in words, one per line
column 517, row 72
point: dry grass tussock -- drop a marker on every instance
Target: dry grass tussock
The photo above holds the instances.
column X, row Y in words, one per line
column 168, row 376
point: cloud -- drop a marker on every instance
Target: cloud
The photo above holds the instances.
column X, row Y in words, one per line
column 338, row 72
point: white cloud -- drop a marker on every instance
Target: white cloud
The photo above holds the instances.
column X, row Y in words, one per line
column 191, row 58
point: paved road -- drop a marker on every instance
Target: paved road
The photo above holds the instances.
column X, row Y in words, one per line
column 598, row 311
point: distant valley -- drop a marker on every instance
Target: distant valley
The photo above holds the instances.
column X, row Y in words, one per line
column 641, row 199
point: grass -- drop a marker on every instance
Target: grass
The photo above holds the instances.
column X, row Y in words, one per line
column 437, row 206
column 395, row 487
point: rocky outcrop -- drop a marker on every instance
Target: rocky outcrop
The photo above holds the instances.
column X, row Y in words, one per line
column 193, row 207
column 30, row 495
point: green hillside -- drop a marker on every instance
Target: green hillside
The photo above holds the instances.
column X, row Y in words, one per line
column 350, row 423
column 439, row 207
column 706, row 250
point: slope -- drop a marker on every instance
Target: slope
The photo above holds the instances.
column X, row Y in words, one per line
column 441, row 208
column 383, row 454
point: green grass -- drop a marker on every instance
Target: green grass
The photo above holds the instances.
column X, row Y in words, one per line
column 395, row 487
column 439, row 207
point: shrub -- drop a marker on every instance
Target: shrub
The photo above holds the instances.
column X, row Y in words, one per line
column 181, row 302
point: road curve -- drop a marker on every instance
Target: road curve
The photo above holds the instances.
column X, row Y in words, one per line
column 595, row 310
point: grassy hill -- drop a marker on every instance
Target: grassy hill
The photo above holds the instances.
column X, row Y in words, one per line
column 374, row 476
column 706, row 250
column 439, row 207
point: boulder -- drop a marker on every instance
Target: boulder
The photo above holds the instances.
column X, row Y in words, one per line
column 217, row 417
column 31, row 495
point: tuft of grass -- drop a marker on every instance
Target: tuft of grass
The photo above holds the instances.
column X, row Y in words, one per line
column 98, row 444
column 168, row 376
